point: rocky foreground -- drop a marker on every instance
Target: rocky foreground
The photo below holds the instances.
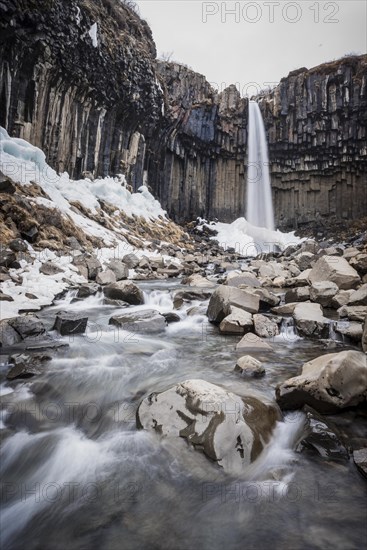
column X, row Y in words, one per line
column 319, row 289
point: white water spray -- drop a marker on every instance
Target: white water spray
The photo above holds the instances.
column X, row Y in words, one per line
column 259, row 201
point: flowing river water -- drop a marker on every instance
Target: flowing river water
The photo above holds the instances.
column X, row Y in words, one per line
column 78, row 474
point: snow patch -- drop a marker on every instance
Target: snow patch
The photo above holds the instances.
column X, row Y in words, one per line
column 93, row 33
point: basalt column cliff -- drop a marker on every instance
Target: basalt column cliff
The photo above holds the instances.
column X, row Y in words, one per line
column 80, row 79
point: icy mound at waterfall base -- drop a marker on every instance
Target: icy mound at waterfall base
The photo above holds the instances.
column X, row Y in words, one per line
column 249, row 240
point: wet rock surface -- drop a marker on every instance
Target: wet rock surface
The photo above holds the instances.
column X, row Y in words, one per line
column 199, row 412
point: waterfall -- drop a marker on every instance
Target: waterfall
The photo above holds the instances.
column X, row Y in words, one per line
column 259, row 201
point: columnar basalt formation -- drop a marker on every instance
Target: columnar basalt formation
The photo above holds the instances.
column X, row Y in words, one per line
column 196, row 163
column 77, row 79
column 80, row 79
column 317, row 127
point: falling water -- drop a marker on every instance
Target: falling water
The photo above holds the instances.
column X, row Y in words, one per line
column 259, row 200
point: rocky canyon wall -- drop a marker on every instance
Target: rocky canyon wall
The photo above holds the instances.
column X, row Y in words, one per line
column 80, row 79
column 77, row 78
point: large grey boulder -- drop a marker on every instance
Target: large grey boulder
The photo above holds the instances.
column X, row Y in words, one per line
column 353, row 313
column 350, row 329
column 226, row 296
column 300, row 294
column 120, row 269
column 328, row 383
column 265, row 327
column 358, row 297
column 144, row 321
column 247, row 279
column 335, row 269
column 125, row 291
column 310, row 320
column 26, row 366
column 28, row 326
column 238, row 321
column 229, row 429
column 106, row 277
column 8, row 335
column 68, row 322
column 131, row 261
column 323, row 292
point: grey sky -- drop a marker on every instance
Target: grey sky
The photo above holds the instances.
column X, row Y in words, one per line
column 227, row 51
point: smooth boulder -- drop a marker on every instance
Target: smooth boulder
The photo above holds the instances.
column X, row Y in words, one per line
column 229, row 429
column 265, row 327
column 144, row 321
column 328, row 383
column 249, row 366
column 126, row 291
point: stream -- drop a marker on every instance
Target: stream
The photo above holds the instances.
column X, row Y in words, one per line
column 78, row 474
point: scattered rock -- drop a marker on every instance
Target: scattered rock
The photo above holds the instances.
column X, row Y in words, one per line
column 120, row 270
column 7, row 257
column 341, row 298
column 335, row 269
column 70, row 323
column 359, row 263
column 249, row 366
column 26, row 366
column 358, row 297
column 171, row 317
column 132, row 261
column 198, row 281
column 30, row 234
column 27, row 326
column 310, row 320
column 265, row 327
column 226, row 296
column 245, row 279
column 285, row 309
column 301, row 294
column 144, row 321
column 323, row 293
column 251, row 342
column 50, row 268
column 18, row 245
column 328, row 383
column 8, row 335
column 352, row 330
column 106, row 277
column 229, row 429
column 125, row 291
column 87, row 289
column 305, row 260
column 238, row 321
column 322, row 437
column 182, row 296
column 7, row 185
column 353, row 313
column 5, row 297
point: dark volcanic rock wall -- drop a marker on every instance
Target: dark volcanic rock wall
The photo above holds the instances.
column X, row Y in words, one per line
column 100, row 110
column 196, row 162
column 86, row 105
column 317, row 127
column 316, row 122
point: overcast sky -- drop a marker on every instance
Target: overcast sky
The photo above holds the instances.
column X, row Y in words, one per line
column 261, row 42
